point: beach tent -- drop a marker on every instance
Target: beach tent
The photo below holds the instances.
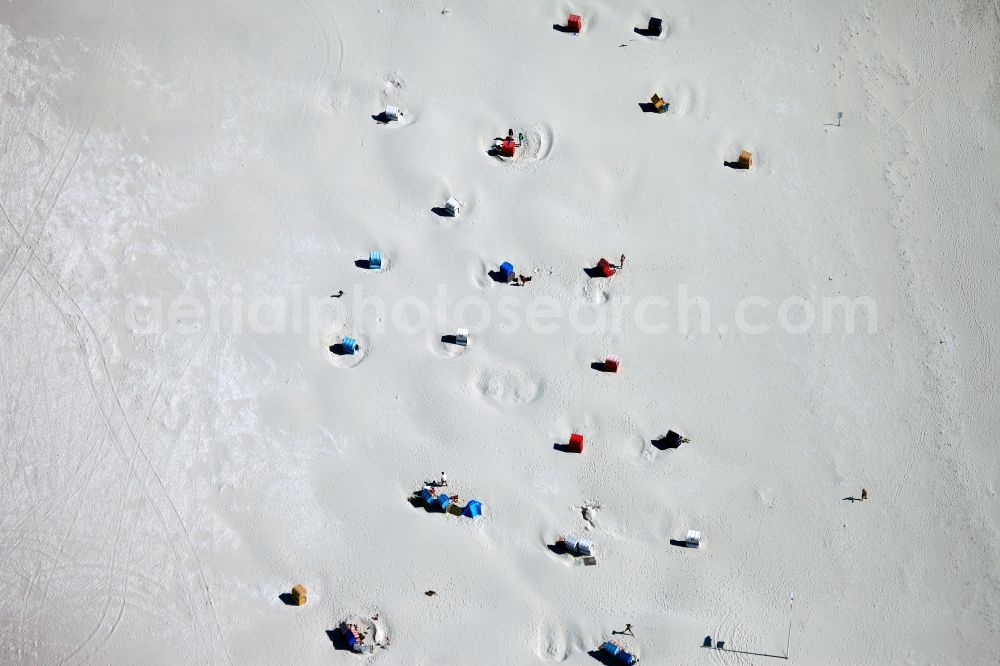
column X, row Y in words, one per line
column 426, row 495
column 507, row 271
column 375, row 260
column 443, row 501
column 349, row 345
column 454, row 206
column 604, row 268
column 473, row 509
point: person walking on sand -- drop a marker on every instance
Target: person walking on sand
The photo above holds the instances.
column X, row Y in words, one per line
column 444, row 479
column 338, row 294
column 864, row 494
column 628, row 630
column 621, row 262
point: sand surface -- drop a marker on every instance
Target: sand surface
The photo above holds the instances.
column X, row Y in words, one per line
column 165, row 479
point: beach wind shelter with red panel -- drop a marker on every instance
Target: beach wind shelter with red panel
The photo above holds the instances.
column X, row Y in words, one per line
column 507, row 147
column 576, row 443
column 605, row 268
column 611, row 364
column 574, row 23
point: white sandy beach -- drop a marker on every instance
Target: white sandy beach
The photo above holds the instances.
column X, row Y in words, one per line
column 176, row 455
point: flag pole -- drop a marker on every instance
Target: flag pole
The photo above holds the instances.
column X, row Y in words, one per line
column 791, row 607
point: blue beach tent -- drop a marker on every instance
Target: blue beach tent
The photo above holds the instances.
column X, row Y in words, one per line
column 473, row 509
column 507, row 270
column 375, row 260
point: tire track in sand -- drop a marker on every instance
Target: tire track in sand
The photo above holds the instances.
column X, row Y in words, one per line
column 116, row 620
column 330, row 35
column 113, row 414
column 153, row 489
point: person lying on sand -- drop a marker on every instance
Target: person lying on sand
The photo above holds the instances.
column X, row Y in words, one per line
column 525, row 279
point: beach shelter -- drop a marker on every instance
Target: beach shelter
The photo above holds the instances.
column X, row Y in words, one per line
column 462, row 337
column 746, row 159
column 618, row 652
column 507, row 148
column 605, row 268
column 611, row 648
column 427, row 495
column 473, row 509
column 626, row 657
column 454, row 206
column 574, row 23
column 659, row 104
column 576, row 443
column 611, row 364
column 655, row 26
column 585, row 546
column 349, row 345
column 507, row 271
column 443, row 501
column 375, row 260
column 299, row 595
column 693, row 539
column 351, row 634
column 673, row 440
column 391, row 113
